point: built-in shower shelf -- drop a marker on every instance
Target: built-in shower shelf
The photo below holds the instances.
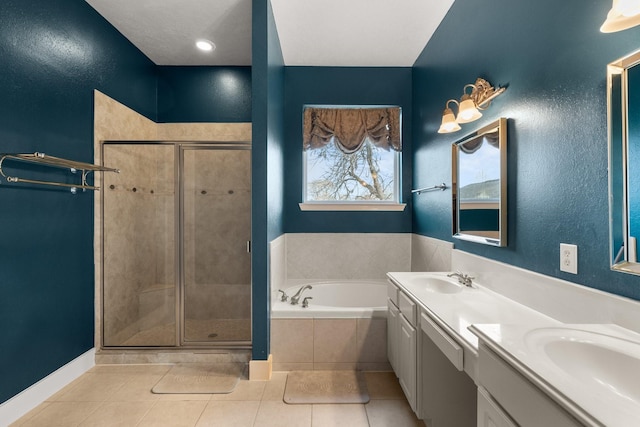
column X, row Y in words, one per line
column 80, row 168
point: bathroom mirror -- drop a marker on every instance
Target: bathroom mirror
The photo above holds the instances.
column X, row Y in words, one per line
column 479, row 185
column 623, row 101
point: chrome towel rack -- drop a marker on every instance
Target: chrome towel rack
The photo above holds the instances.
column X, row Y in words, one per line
column 442, row 187
column 40, row 158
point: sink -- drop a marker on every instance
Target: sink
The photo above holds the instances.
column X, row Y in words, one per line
column 436, row 284
column 598, row 361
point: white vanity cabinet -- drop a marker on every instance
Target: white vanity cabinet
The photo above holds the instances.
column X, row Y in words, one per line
column 521, row 400
column 402, row 341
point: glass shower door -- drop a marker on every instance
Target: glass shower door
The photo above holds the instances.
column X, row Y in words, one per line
column 139, row 252
column 216, row 229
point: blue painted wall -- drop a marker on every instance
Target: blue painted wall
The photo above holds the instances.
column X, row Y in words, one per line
column 204, row 94
column 267, row 201
column 343, row 86
column 52, row 56
column 553, row 59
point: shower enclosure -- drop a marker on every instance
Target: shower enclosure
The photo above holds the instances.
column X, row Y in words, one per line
column 176, row 238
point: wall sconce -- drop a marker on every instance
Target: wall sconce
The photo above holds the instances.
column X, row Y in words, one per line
column 623, row 14
column 482, row 93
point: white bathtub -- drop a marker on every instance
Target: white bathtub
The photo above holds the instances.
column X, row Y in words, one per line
column 335, row 299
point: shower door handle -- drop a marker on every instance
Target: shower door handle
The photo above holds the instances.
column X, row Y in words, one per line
column 248, row 246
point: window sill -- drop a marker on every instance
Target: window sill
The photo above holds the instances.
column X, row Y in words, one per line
column 397, row 207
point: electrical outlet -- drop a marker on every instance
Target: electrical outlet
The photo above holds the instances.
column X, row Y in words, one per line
column 569, row 258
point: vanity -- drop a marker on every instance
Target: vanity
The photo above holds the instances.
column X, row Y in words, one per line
column 483, row 359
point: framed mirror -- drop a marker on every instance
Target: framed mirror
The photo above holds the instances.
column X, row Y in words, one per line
column 623, row 102
column 479, row 185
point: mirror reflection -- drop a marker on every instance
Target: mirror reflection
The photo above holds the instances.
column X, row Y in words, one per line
column 479, row 185
column 623, row 84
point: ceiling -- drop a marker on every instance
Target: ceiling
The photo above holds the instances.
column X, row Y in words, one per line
column 312, row 32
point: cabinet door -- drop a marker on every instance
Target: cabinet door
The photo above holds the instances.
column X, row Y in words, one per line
column 407, row 360
column 490, row 414
column 392, row 336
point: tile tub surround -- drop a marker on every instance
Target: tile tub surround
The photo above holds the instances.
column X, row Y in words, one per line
column 320, row 256
column 329, row 344
column 313, row 256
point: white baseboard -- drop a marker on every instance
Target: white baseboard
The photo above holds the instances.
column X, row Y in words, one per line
column 28, row 399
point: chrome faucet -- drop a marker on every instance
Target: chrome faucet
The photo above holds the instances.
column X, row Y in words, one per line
column 284, row 297
column 305, row 302
column 296, row 297
column 463, row 279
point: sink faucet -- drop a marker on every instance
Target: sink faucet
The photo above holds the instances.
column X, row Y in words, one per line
column 463, row 279
column 296, row 297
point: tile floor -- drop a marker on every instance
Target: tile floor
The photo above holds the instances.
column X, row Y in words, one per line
column 120, row 395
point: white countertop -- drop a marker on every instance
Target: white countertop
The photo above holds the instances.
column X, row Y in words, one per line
column 592, row 399
column 456, row 312
column 518, row 333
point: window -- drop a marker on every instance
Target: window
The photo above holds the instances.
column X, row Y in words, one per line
column 352, row 158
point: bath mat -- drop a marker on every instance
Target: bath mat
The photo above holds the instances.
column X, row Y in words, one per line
column 304, row 387
column 196, row 378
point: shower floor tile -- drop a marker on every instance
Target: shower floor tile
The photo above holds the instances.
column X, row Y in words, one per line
column 197, row 330
column 110, row 395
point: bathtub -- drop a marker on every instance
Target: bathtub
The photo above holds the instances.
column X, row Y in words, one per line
column 335, row 299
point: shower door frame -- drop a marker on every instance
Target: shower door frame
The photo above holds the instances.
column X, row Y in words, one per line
column 179, row 279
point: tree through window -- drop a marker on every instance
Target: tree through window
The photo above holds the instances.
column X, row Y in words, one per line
column 352, row 154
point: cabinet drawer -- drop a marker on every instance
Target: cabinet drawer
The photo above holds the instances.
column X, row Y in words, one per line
column 490, row 414
column 447, row 345
column 407, row 308
column 392, row 292
column 524, row 402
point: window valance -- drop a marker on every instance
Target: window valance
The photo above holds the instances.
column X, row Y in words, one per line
column 350, row 127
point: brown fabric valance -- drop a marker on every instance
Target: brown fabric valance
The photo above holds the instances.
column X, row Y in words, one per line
column 474, row 145
column 351, row 127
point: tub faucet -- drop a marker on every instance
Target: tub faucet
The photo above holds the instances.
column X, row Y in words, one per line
column 463, row 279
column 305, row 302
column 284, row 297
column 296, row 297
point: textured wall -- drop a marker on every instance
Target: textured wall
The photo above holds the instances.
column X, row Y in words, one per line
column 553, row 59
column 343, row 86
column 266, row 116
column 187, row 94
column 54, row 54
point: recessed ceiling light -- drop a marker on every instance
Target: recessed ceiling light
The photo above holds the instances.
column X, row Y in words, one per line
column 205, row 45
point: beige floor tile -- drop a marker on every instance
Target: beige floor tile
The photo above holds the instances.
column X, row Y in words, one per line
column 339, row 416
column 396, row 413
column 30, row 414
column 138, row 388
column 148, row 369
column 274, row 388
column 245, row 390
column 93, row 388
column 117, row 414
column 279, row 414
column 61, row 414
column 230, row 413
column 290, row 366
column 184, row 396
column 383, row 385
column 173, row 414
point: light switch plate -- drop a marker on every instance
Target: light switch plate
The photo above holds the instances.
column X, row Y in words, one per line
column 569, row 258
